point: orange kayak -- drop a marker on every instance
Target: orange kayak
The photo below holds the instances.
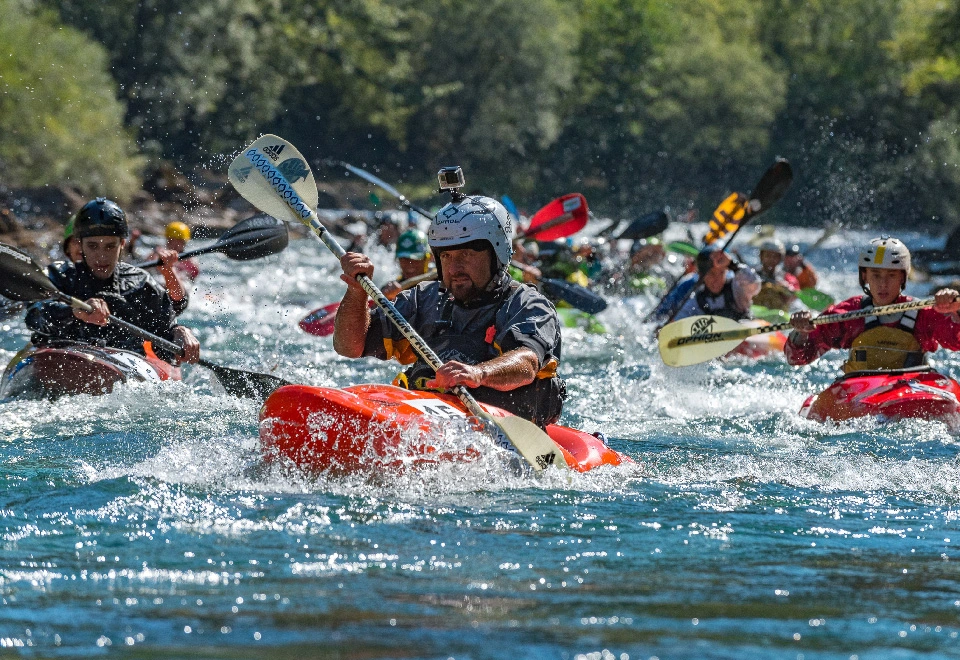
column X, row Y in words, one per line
column 354, row 428
column 896, row 394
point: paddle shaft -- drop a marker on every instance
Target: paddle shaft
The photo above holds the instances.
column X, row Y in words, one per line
column 184, row 255
column 363, row 174
column 730, row 335
column 137, row 330
column 309, row 218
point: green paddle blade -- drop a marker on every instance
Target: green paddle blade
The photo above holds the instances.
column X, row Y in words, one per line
column 697, row 339
column 814, row 299
column 684, row 248
column 769, row 315
column 252, row 185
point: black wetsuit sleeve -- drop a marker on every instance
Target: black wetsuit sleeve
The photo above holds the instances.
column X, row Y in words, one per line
column 180, row 306
column 52, row 318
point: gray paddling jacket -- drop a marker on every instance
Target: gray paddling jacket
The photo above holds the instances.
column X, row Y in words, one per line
column 512, row 316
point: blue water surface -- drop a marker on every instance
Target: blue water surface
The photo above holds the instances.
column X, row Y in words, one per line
column 145, row 523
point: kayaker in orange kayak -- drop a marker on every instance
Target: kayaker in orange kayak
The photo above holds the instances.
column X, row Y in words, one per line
column 109, row 286
column 794, row 264
column 889, row 342
column 496, row 336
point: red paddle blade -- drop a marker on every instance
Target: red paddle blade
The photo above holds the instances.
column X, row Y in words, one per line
column 320, row 322
column 560, row 218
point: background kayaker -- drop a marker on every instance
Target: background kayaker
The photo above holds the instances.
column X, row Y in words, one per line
column 71, row 244
column 777, row 288
column 177, row 273
column 794, row 264
column 889, row 342
column 726, row 287
column 413, row 257
column 498, row 337
column 109, row 286
column 178, row 235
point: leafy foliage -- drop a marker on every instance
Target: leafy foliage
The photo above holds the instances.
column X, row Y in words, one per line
column 60, row 120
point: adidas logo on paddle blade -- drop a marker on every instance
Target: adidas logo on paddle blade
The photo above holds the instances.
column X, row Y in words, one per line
column 242, row 173
column 274, row 150
column 546, row 460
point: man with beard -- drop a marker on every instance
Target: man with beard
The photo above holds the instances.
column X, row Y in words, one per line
column 497, row 337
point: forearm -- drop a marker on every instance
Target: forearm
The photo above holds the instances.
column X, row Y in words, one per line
column 351, row 324
column 511, row 370
column 174, row 286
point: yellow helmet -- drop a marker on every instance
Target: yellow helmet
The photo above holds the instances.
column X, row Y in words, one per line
column 178, row 230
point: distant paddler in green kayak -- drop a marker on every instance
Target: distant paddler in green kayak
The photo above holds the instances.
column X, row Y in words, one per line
column 495, row 336
column 110, row 286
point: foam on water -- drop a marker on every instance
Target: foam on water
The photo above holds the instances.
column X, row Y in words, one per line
column 150, row 517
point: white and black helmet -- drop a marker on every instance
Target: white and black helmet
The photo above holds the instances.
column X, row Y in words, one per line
column 885, row 253
column 471, row 219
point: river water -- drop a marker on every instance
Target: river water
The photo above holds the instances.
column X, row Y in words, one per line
column 145, row 524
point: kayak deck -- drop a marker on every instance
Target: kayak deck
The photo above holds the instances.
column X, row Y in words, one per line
column 920, row 393
column 355, row 428
column 62, row 369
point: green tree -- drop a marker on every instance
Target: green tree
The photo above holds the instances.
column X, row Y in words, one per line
column 60, row 120
column 673, row 103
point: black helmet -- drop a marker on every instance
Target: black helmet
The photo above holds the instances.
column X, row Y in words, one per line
column 705, row 258
column 793, row 250
column 100, row 217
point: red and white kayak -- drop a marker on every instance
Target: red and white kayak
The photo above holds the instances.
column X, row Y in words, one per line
column 351, row 429
column 65, row 368
column 896, row 394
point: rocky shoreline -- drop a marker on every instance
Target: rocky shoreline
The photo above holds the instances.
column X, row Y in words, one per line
column 33, row 219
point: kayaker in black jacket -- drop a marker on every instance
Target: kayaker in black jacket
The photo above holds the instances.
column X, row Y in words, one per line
column 110, row 287
column 498, row 337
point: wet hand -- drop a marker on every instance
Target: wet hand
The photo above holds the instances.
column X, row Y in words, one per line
column 456, row 373
column 354, row 264
column 191, row 347
column 167, row 257
column 947, row 302
column 801, row 322
column 100, row 315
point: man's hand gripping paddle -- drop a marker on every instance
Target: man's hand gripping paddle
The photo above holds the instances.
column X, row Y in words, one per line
column 273, row 176
column 21, row 278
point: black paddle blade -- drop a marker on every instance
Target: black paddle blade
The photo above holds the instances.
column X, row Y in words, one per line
column 22, row 278
column 583, row 299
column 254, row 238
column 773, row 184
column 649, row 225
column 246, row 384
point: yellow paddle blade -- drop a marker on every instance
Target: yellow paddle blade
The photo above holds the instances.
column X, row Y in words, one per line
column 697, row 339
column 255, row 188
column 727, row 217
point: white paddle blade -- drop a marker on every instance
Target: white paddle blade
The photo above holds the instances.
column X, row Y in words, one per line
column 697, row 339
column 537, row 448
column 255, row 188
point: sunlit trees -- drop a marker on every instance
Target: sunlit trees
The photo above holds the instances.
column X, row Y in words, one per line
column 60, row 121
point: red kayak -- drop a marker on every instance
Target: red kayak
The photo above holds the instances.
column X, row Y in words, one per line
column 65, row 368
column 918, row 392
column 355, row 428
column 320, row 322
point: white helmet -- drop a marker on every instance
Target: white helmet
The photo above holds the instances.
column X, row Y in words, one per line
column 886, row 253
column 473, row 219
column 773, row 245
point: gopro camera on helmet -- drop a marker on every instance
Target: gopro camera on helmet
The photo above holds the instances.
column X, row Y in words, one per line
column 451, row 178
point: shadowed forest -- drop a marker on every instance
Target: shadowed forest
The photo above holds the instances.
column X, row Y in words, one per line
column 639, row 104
